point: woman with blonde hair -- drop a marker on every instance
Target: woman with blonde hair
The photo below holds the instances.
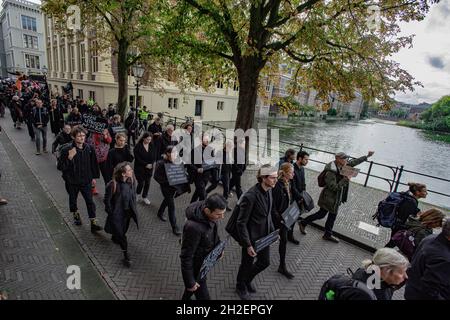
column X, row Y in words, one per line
column 282, row 199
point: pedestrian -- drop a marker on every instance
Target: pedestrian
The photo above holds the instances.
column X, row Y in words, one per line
column 79, row 167
column 143, row 116
column 289, row 156
column 16, row 112
column 333, row 194
column 74, row 117
column 299, row 181
column 144, row 159
column 28, row 117
column 238, row 167
column 282, row 199
column 167, row 190
column 429, row 274
column 3, row 201
column 40, row 119
column 408, row 207
column 132, row 125
column 120, row 205
column 200, row 236
column 56, row 117
column 118, row 154
column 114, row 128
column 255, row 222
column 101, row 143
column 201, row 177
column 155, row 128
column 61, row 139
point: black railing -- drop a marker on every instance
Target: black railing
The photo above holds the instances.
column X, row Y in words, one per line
column 397, row 172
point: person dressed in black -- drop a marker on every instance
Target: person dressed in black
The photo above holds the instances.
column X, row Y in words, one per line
column 200, row 236
column 144, row 158
column 56, row 118
column 114, row 128
column 118, row 154
column 255, row 222
column 79, row 167
column 132, row 124
column 61, row 139
column 201, row 177
column 167, row 190
column 74, row 117
column 238, row 167
column 155, row 127
column 40, row 120
column 28, row 117
column 289, row 156
column 299, row 181
column 408, row 207
column 282, row 199
column 120, row 205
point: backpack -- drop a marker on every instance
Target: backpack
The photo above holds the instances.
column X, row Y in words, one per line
column 59, row 163
column 405, row 241
column 387, row 210
column 321, row 179
column 344, row 287
column 231, row 226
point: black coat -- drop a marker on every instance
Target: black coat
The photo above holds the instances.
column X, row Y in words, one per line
column 61, row 139
column 116, row 156
column 116, row 221
column 384, row 293
column 39, row 116
column 280, row 202
column 298, row 183
column 160, row 176
column 429, row 274
column 155, row 128
column 73, row 119
column 255, row 215
column 408, row 207
column 141, row 159
column 82, row 168
column 56, row 120
column 199, row 239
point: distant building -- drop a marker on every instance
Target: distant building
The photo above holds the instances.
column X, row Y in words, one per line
column 22, row 46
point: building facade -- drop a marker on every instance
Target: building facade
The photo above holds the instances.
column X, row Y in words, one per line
column 22, row 37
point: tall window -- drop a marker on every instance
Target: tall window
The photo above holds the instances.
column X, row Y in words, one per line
column 29, row 23
column 198, row 107
column 63, row 58
column 219, row 84
column 220, row 105
column 32, row 61
column 72, row 57
column 92, row 95
column 83, row 56
column 30, row 42
column 94, row 56
column 7, row 18
column 55, row 59
column 173, row 103
column 80, row 93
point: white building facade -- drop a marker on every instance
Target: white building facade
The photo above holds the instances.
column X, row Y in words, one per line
column 22, row 32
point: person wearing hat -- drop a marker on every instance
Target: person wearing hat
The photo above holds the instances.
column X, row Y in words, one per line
column 333, row 194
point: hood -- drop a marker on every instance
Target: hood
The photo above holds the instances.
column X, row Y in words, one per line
column 331, row 166
column 414, row 224
column 195, row 212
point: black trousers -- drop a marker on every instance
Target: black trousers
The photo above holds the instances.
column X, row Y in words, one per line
column 249, row 269
column 201, row 293
column 285, row 234
column 143, row 185
column 236, row 183
column 103, row 166
column 214, row 180
column 30, row 129
column 86, row 192
column 320, row 215
column 226, row 184
column 131, row 135
column 200, row 188
column 168, row 202
column 122, row 239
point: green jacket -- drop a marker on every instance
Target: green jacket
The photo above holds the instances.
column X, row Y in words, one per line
column 335, row 191
column 417, row 229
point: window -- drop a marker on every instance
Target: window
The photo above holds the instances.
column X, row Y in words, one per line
column 30, row 42
column 94, row 56
column 7, row 17
column 268, row 85
column 173, row 103
column 29, row 23
column 198, row 107
column 219, row 84
column 63, row 58
column 132, row 101
column 55, row 58
column 92, row 95
column 72, row 57
column 32, row 61
column 10, row 40
column 82, row 57
column 220, row 105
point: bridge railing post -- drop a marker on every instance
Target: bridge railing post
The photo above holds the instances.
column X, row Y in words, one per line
column 368, row 173
column 398, row 178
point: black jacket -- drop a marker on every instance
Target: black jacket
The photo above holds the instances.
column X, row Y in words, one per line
column 299, row 182
column 61, row 139
column 154, row 128
column 142, row 158
column 408, row 207
column 116, row 221
column 199, row 239
column 160, row 176
column 82, row 168
column 116, row 156
column 56, row 120
column 73, row 119
column 429, row 274
column 255, row 215
column 280, row 202
column 384, row 293
column 39, row 116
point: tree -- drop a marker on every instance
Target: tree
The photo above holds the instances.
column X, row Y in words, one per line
column 329, row 45
column 286, row 105
column 122, row 26
column 438, row 116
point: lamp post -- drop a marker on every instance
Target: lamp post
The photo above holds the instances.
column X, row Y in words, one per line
column 45, row 72
column 138, row 72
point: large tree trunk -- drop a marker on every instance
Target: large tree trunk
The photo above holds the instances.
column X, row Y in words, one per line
column 122, row 78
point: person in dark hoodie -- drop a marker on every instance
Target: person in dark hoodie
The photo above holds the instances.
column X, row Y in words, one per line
column 39, row 120
column 120, row 205
column 289, row 156
column 61, row 139
column 144, row 155
column 200, row 236
column 56, row 117
column 429, row 274
column 79, row 167
column 118, row 154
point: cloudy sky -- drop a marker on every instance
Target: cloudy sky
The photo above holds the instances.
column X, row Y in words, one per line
column 429, row 59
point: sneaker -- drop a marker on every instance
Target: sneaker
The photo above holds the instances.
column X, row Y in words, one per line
column 302, row 228
column 243, row 294
column 126, row 259
column 176, row 231
column 331, row 239
column 250, row 287
column 45, row 151
column 3, row 201
column 94, row 226
column 77, row 218
column 293, row 240
column 38, row 153
column 146, row 201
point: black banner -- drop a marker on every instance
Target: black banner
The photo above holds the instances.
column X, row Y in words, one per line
column 212, row 258
column 93, row 123
column 291, row 214
column 266, row 241
column 176, row 174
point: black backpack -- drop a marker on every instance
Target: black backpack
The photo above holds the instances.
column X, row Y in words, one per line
column 344, row 287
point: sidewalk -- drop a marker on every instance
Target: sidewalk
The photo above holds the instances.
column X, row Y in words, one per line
column 156, row 274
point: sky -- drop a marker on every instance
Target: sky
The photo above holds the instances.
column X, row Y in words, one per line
column 428, row 61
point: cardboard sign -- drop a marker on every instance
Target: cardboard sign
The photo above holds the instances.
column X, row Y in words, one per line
column 349, row 171
column 176, row 174
column 290, row 215
column 211, row 259
column 266, row 241
column 118, row 129
column 93, row 123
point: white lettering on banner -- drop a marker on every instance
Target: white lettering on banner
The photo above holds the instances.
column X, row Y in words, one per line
column 74, row 280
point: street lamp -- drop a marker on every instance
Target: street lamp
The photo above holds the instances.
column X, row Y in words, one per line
column 138, row 72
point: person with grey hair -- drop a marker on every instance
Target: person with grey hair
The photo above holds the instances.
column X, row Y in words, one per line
column 429, row 274
column 334, row 192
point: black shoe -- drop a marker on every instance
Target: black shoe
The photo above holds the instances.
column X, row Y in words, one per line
column 95, row 227
column 114, row 239
column 250, row 287
column 243, row 294
column 293, row 240
column 161, row 217
column 176, row 231
column 285, row 273
column 76, row 219
column 330, row 238
column 302, row 228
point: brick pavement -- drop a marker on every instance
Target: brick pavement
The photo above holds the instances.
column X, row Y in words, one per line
column 155, row 273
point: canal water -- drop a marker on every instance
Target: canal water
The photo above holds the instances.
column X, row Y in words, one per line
column 393, row 145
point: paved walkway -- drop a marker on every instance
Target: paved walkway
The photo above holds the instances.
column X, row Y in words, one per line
column 156, row 274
